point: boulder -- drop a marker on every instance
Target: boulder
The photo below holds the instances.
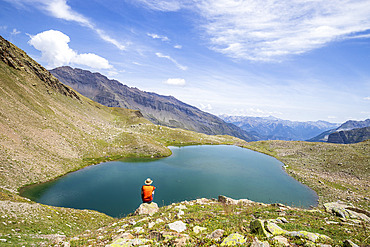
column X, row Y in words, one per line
column 147, row 208
column 177, row 226
column 230, row 201
column 281, row 240
column 233, row 239
column 257, row 226
column 274, row 229
column 345, row 211
column 313, row 237
column 349, row 243
column 216, row 234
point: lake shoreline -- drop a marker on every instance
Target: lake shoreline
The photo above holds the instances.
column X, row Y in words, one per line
column 244, row 179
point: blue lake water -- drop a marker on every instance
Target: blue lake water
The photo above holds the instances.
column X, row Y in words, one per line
column 191, row 172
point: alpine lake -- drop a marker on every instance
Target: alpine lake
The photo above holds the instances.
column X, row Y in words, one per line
column 191, row 172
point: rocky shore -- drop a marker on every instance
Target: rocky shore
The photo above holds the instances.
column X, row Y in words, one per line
column 228, row 222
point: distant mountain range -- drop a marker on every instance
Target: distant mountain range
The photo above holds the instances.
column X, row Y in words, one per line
column 159, row 109
column 271, row 128
column 349, row 132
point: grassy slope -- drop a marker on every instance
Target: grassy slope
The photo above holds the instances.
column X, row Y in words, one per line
column 334, row 171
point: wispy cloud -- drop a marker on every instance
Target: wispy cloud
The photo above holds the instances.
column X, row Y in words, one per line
column 367, row 98
column 175, row 82
column 61, row 10
column 56, row 51
column 178, row 46
column 182, row 67
column 15, row 32
column 156, row 36
column 270, row 30
column 162, row 5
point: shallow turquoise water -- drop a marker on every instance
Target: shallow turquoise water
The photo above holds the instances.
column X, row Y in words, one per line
column 189, row 173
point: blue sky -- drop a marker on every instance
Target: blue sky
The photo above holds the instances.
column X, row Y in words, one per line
column 302, row 60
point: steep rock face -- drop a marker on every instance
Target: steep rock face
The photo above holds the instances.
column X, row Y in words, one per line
column 350, row 136
column 163, row 110
column 337, row 137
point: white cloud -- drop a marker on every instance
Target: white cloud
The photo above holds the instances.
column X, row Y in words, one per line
column 270, row 30
column 207, row 107
column 367, row 98
column 15, row 32
column 156, row 36
column 182, row 67
column 178, row 46
column 60, row 9
column 175, row 82
column 56, row 51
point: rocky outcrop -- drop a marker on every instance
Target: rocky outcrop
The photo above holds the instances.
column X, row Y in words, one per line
column 269, row 229
column 350, row 136
column 159, row 109
column 19, row 60
column 345, row 211
column 340, row 134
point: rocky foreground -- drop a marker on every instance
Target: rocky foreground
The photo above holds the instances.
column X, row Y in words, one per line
column 229, row 222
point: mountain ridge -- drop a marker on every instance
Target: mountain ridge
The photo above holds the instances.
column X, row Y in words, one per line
column 272, row 128
column 159, row 109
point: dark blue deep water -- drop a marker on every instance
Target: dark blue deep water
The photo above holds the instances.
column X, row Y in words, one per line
column 191, row 172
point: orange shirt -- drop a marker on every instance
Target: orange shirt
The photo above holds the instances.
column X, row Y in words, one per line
column 147, row 193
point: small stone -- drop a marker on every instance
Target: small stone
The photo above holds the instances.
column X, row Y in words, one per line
column 177, row 226
column 198, row 229
column 180, row 207
column 139, row 229
column 182, row 241
column 151, row 224
column 159, row 221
